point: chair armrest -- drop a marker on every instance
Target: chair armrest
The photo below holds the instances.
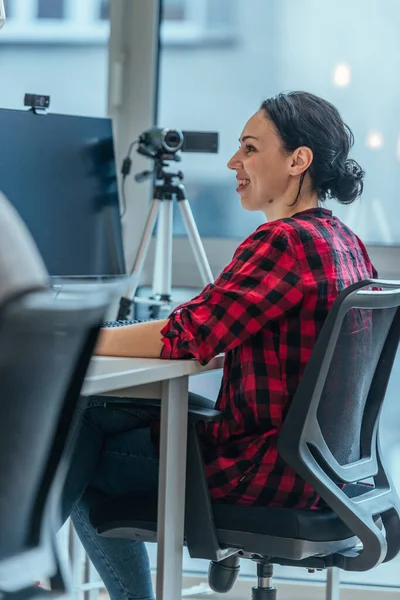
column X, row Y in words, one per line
column 200, row 531
column 196, row 413
column 363, row 514
column 152, row 404
column 203, row 414
column 391, row 523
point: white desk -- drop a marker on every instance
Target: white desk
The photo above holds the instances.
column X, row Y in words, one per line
column 168, row 380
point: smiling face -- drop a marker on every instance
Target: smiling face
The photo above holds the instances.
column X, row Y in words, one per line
column 267, row 175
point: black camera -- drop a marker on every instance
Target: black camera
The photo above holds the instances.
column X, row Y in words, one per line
column 37, row 101
column 157, row 142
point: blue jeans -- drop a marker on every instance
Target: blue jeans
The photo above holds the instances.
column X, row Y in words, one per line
column 113, row 454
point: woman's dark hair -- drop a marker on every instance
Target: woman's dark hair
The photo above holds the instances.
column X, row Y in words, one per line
column 302, row 119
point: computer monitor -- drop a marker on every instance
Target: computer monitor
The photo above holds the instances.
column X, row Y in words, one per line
column 59, row 172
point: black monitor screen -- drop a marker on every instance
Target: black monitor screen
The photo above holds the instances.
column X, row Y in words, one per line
column 59, row 172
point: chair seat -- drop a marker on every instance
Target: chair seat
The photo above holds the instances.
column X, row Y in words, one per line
column 139, row 512
column 312, row 525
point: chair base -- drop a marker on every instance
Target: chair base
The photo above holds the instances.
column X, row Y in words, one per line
column 258, row 593
column 264, row 590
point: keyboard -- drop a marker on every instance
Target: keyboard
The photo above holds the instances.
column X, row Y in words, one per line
column 121, row 323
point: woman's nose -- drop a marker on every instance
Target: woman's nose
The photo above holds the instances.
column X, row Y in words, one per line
column 235, row 163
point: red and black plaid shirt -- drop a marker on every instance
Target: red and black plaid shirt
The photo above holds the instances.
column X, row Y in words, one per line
column 264, row 311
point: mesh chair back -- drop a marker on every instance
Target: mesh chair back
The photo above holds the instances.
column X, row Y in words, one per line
column 330, row 434
column 347, row 401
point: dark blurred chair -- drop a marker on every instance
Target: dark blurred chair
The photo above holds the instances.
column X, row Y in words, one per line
column 45, row 348
column 329, row 437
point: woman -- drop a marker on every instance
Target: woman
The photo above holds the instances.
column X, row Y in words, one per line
column 264, row 311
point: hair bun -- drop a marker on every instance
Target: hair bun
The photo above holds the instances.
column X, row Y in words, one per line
column 353, row 170
column 348, row 183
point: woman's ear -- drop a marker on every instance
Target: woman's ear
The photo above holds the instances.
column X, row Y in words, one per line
column 301, row 160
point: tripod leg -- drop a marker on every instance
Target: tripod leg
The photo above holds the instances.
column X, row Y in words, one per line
column 195, row 242
column 163, row 257
column 126, row 301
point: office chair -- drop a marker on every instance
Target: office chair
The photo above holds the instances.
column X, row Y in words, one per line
column 45, row 348
column 329, row 437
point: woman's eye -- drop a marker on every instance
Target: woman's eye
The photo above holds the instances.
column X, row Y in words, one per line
column 248, row 148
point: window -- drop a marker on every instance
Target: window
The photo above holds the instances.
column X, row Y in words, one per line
column 174, row 10
column 56, row 22
column 104, row 10
column 198, row 22
column 51, row 9
column 8, row 5
column 280, row 47
column 41, row 50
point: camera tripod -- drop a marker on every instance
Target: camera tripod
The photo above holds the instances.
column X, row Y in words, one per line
column 166, row 190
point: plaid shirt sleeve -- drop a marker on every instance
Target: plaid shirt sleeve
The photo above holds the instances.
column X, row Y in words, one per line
column 261, row 283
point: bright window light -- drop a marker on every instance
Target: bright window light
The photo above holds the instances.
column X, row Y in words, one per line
column 374, row 140
column 342, row 75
